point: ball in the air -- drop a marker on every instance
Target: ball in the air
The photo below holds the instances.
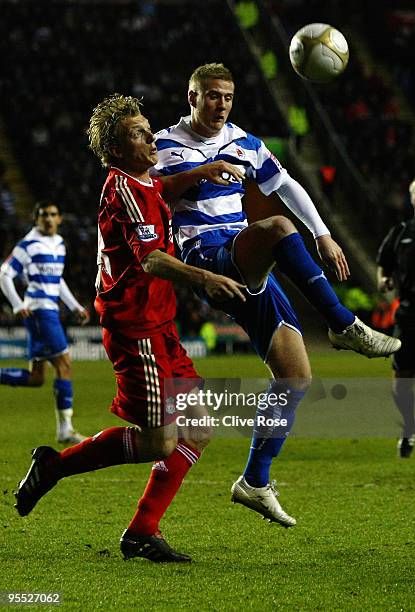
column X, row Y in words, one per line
column 319, row 52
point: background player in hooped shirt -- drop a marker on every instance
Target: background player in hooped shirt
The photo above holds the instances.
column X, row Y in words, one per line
column 136, row 304
column 39, row 259
column 212, row 232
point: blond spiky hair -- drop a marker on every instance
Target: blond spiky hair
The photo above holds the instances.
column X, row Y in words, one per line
column 209, row 71
column 104, row 124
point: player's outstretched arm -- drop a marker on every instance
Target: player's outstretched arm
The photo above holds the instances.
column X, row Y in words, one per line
column 219, row 288
column 218, row 172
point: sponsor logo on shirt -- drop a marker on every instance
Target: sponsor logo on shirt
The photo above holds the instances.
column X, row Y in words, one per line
column 146, row 233
column 49, row 269
column 274, row 159
column 176, row 154
column 239, row 152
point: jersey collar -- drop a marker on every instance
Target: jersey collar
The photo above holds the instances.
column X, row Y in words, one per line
column 114, row 169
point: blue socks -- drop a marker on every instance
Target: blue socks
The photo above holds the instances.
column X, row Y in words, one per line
column 295, row 261
column 268, row 439
column 16, row 377
column 62, row 390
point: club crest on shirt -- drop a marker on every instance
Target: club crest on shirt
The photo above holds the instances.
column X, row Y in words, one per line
column 146, row 233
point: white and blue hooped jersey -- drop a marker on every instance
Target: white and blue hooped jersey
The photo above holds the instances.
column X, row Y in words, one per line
column 39, row 260
column 209, row 214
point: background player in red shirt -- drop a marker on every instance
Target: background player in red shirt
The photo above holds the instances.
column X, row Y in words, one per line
column 136, row 305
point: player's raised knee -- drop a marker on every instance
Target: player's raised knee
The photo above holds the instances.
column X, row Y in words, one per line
column 199, row 437
column 303, row 382
column 281, row 226
column 275, row 228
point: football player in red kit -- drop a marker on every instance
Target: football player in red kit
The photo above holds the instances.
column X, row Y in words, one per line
column 136, row 305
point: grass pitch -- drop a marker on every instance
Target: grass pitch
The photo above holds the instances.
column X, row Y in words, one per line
column 352, row 548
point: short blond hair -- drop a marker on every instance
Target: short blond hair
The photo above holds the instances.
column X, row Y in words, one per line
column 412, row 187
column 209, row 71
column 105, row 121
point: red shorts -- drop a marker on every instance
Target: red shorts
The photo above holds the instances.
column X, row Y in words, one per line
column 142, row 368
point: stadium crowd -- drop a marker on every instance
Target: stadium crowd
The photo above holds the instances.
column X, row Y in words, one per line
column 362, row 107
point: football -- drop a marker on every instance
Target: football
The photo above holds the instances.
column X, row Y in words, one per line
column 319, row 52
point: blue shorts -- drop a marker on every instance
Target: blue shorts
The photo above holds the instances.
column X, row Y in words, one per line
column 46, row 337
column 262, row 313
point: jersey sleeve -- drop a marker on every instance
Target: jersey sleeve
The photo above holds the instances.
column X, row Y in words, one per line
column 16, row 262
column 265, row 168
column 140, row 223
column 386, row 253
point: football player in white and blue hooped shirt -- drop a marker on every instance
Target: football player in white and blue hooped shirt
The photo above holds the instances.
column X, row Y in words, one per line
column 39, row 259
column 212, row 232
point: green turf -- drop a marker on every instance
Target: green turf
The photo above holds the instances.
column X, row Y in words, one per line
column 351, row 550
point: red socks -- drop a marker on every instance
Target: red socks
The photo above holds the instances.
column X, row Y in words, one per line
column 117, row 445
column 164, row 482
column 112, row 446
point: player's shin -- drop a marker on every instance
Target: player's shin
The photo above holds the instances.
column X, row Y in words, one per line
column 295, row 261
column 274, row 420
column 403, row 395
column 164, row 482
column 63, row 392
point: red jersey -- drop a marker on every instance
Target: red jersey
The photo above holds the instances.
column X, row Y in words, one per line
column 133, row 221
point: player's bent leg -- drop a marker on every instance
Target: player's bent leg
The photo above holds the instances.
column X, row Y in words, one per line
column 63, row 392
column 287, row 358
column 113, row 446
column 260, row 239
column 19, row 377
column 142, row 538
column 275, row 240
column 37, row 374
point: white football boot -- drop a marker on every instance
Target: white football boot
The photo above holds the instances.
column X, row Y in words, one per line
column 363, row 339
column 69, row 436
column 65, row 433
column 262, row 500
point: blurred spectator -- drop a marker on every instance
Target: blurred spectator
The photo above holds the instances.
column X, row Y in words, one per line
column 7, row 208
